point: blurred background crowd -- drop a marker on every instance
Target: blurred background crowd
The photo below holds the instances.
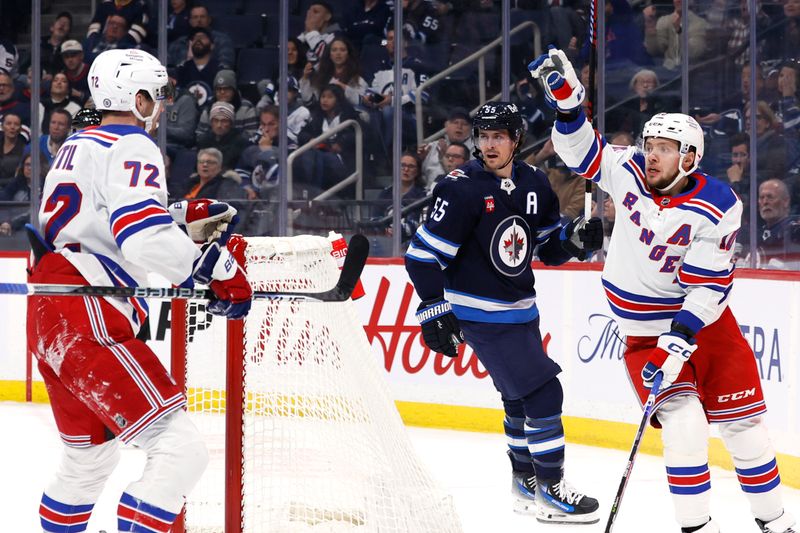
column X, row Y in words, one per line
column 345, row 170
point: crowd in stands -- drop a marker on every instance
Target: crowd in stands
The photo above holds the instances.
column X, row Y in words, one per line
column 222, row 123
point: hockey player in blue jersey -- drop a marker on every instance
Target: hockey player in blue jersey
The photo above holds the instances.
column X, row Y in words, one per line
column 470, row 263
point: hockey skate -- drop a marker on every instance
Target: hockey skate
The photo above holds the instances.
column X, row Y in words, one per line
column 708, row 527
column 523, row 487
column 785, row 523
column 557, row 502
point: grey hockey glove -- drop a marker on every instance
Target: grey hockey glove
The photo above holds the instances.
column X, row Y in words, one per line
column 440, row 329
column 673, row 349
column 205, row 220
column 563, row 91
column 582, row 238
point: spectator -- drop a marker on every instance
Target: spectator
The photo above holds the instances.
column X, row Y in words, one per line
column 456, row 129
column 258, row 165
column 114, row 35
column 296, row 56
column 225, row 91
column 784, row 40
column 10, row 104
column 788, row 109
column 181, row 116
column 774, row 156
column 730, row 27
column 177, row 20
column 57, row 132
column 318, row 30
column 19, row 188
column 51, row 44
column 379, row 97
column 9, row 57
column 420, row 22
column 631, row 115
column 663, row 35
column 299, row 115
column 197, row 74
column 59, row 97
column 135, row 14
column 13, row 147
column 76, row 69
column 366, row 21
column 339, row 66
column 738, row 175
column 779, row 233
column 412, row 188
column 624, row 39
column 211, row 179
column 223, row 135
column 568, row 186
column 181, row 49
column 455, row 155
column 330, row 161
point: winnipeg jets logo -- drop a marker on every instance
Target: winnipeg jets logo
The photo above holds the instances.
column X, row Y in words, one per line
column 511, row 246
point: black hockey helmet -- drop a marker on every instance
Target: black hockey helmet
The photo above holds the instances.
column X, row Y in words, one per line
column 499, row 116
column 86, row 117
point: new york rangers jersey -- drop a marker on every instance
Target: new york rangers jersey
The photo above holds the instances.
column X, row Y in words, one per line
column 104, row 208
column 670, row 257
column 476, row 246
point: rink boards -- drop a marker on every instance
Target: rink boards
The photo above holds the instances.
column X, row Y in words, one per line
column 579, row 331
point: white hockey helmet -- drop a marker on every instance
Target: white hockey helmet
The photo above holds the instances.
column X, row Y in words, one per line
column 117, row 75
column 681, row 128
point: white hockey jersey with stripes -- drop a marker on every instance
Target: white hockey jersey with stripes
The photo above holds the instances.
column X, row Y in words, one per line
column 104, row 208
column 669, row 258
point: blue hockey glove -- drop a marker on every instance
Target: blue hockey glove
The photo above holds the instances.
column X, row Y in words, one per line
column 440, row 329
column 672, row 351
column 581, row 238
column 563, row 91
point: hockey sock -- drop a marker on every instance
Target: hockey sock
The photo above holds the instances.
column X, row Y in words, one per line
column 137, row 516
column 63, row 518
column 544, row 431
column 514, row 425
column 748, row 443
column 685, row 437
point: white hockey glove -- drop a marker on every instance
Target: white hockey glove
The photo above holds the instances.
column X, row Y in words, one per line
column 672, row 351
column 204, row 220
column 563, row 91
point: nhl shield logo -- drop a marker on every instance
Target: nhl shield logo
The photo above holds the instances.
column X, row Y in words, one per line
column 665, row 201
column 488, row 201
column 511, row 246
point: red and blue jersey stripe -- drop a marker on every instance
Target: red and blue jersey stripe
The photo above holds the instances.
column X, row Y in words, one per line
column 718, row 280
column 131, row 219
column 750, row 410
column 57, row 517
column 689, row 480
column 103, row 138
column 759, row 479
column 638, row 307
column 135, row 515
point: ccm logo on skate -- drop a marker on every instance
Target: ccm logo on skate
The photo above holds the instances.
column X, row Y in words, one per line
column 736, row 395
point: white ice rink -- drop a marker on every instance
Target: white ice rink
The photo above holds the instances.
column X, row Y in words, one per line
column 472, row 466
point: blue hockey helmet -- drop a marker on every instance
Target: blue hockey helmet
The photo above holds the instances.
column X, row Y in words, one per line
column 499, row 116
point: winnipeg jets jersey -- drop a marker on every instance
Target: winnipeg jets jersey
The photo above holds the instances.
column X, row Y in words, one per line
column 476, row 246
column 104, row 208
column 670, row 258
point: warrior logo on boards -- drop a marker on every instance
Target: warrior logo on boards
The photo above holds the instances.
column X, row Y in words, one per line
column 511, row 247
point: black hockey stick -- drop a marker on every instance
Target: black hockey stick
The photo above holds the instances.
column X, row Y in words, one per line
column 587, row 197
column 354, row 261
column 648, row 409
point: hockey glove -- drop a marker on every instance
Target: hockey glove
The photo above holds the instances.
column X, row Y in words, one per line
column 673, row 349
column 218, row 269
column 581, row 238
column 204, row 220
column 440, row 329
column 563, row 91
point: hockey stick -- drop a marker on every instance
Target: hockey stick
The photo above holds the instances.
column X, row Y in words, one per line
column 354, row 262
column 587, row 197
column 648, row 409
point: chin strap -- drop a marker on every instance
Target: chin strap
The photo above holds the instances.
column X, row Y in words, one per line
column 148, row 121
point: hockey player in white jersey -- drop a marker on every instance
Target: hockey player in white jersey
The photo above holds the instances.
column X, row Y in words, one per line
column 667, row 278
column 104, row 221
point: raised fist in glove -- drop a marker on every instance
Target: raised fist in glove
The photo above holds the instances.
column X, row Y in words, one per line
column 218, row 269
column 440, row 329
column 581, row 237
column 205, row 220
column 563, row 91
column 674, row 348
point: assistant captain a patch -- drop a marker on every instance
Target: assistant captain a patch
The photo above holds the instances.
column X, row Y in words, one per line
column 511, row 246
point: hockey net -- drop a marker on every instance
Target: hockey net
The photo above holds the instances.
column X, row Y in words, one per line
column 315, row 442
